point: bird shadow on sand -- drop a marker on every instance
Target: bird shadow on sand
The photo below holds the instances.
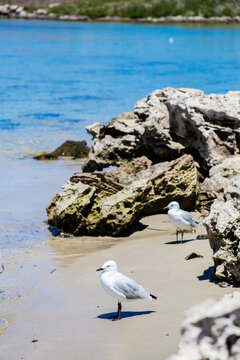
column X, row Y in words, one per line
column 179, row 242
column 124, row 314
column 207, row 275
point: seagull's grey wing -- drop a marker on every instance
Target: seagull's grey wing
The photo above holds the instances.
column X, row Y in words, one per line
column 188, row 217
column 129, row 288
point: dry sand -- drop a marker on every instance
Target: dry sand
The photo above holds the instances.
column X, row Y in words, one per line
column 67, row 312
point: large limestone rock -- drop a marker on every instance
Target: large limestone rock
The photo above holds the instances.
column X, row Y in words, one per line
column 211, row 330
column 223, row 228
column 96, row 204
column 168, row 123
column 214, row 185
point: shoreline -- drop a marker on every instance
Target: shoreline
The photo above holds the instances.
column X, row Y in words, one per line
column 67, row 313
column 18, row 12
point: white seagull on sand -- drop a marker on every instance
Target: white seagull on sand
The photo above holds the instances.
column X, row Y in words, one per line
column 181, row 219
column 120, row 286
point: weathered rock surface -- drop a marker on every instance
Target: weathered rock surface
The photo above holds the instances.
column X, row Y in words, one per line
column 137, row 169
column 223, row 228
column 219, row 175
column 96, row 204
column 75, row 149
column 168, row 123
column 211, row 330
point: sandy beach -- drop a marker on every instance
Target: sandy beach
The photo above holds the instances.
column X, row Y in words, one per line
column 66, row 316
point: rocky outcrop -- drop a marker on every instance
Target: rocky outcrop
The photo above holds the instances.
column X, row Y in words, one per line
column 214, row 185
column 75, row 149
column 168, row 123
column 223, row 228
column 211, row 330
column 96, row 204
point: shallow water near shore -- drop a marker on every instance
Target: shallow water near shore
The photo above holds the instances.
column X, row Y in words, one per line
column 58, row 77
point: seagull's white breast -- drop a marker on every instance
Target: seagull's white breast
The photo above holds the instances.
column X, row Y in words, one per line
column 107, row 280
column 177, row 220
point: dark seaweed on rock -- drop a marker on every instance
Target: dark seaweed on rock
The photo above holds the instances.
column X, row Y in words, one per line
column 75, row 149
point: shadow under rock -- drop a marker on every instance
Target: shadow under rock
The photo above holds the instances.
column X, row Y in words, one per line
column 137, row 226
column 207, row 275
column 124, row 314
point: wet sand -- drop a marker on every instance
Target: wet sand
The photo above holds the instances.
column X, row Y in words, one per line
column 66, row 316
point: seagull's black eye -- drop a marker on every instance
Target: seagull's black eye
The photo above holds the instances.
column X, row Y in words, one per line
column 108, row 265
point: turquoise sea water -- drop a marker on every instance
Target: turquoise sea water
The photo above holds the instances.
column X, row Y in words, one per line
column 58, row 77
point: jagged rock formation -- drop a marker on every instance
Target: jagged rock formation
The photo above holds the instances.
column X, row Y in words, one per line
column 214, row 185
column 95, row 204
column 223, row 228
column 211, row 330
column 168, row 123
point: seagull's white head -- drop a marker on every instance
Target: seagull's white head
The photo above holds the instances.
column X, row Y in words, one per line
column 173, row 205
column 110, row 266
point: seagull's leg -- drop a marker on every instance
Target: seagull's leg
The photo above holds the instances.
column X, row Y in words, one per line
column 118, row 317
column 119, row 311
column 182, row 236
column 176, row 236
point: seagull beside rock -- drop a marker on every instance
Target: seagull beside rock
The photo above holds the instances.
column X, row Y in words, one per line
column 181, row 219
column 120, row 286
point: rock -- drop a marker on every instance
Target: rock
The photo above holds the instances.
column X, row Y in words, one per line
column 76, row 149
column 223, row 228
column 114, row 143
column 176, row 182
column 40, row 12
column 193, row 255
column 168, row 123
column 5, row 10
column 96, row 204
column 137, row 169
column 19, row 9
column 78, row 205
column 213, row 186
column 211, row 330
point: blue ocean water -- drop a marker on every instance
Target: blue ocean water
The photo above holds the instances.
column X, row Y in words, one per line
column 58, row 77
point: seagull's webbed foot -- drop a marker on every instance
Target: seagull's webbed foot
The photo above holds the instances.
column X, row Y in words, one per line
column 115, row 318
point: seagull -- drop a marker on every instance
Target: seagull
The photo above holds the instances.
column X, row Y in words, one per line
column 120, row 286
column 181, row 219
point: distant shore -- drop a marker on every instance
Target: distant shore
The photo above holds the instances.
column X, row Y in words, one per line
column 18, row 12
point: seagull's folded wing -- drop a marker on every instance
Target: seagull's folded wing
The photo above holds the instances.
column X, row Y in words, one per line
column 129, row 288
column 188, row 217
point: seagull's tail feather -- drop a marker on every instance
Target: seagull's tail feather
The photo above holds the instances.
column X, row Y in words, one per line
column 194, row 223
column 153, row 296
